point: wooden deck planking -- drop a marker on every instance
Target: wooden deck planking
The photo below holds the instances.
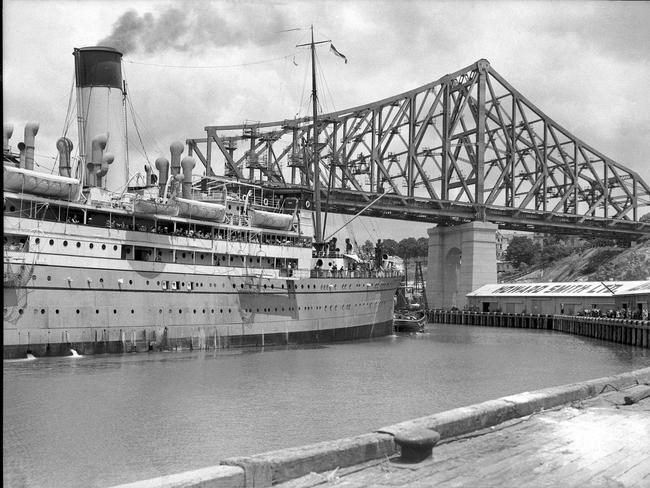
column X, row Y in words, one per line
column 598, row 444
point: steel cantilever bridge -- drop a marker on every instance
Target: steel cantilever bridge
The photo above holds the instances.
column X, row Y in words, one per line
column 467, row 147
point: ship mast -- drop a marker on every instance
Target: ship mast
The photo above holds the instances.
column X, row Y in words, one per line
column 315, row 151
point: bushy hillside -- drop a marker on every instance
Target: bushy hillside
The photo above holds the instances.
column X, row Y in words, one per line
column 595, row 264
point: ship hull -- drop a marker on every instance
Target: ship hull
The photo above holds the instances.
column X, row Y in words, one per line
column 95, row 311
column 185, row 340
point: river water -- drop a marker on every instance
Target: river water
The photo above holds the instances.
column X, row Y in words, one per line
column 99, row 421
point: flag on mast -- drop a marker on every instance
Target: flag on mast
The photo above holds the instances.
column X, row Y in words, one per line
column 335, row 51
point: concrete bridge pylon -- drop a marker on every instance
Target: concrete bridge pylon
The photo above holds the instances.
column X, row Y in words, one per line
column 461, row 259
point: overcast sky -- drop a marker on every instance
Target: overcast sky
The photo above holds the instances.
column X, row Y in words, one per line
column 585, row 64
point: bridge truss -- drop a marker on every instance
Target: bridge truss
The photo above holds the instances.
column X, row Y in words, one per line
column 465, row 147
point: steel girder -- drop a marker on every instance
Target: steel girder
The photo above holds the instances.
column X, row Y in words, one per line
column 467, row 140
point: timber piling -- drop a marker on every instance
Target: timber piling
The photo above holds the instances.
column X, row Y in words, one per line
column 621, row 331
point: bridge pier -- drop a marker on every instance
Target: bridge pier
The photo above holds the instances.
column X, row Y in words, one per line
column 461, row 259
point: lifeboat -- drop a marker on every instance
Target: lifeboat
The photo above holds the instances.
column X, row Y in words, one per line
column 170, row 208
column 201, row 210
column 21, row 180
column 269, row 220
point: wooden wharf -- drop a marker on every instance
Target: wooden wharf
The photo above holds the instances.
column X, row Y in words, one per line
column 622, row 331
column 598, row 442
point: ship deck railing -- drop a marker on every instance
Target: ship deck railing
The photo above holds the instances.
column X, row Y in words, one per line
column 322, row 273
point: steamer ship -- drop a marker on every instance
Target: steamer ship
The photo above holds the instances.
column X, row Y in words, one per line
column 93, row 264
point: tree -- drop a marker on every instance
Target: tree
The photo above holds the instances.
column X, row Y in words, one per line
column 407, row 247
column 390, row 247
column 522, row 250
column 367, row 251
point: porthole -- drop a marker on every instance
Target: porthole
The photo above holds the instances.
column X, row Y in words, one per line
column 34, row 277
column 157, row 283
column 91, row 245
column 78, row 244
column 42, row 310
column 180, row 311
column 194, row 310
column 229, row 311
column 56, row 311
column 160, row 310
column 130, row 282
column 115, row 248
column 132, row 311
column 49, row 278
column 147, row 282
column 234, row 285
column 20, row 311
column 103, row 247
column 114, row 311
column 51, row 242
column 204, row 310
column 96, row 311
column 77, row 310
column 37, row 240
column 221, row 311
column 212, row 310
column 101, row 280
column 65, row 243
column 242, row 285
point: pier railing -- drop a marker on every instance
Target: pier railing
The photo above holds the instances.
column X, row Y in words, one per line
column 622, row 331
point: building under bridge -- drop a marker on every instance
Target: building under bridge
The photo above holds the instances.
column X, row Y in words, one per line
column 562, row 298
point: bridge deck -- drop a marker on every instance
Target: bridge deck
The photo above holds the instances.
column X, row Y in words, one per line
column 598, row 442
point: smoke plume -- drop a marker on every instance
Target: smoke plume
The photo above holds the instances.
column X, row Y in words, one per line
column 194, row 26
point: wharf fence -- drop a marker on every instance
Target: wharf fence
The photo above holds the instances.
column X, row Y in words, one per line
column 622, row 331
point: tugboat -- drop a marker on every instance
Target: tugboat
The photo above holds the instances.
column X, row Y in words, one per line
column 410, row 305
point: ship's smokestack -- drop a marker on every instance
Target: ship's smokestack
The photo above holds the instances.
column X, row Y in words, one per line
column 6, row 135
column 64, row 146
column 100, row 108
column 21, row 154
column 162, row 165
column 188, row 164
column 95, row 167
column 31, row 129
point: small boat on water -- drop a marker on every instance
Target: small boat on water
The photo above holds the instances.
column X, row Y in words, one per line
column 409, row 321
